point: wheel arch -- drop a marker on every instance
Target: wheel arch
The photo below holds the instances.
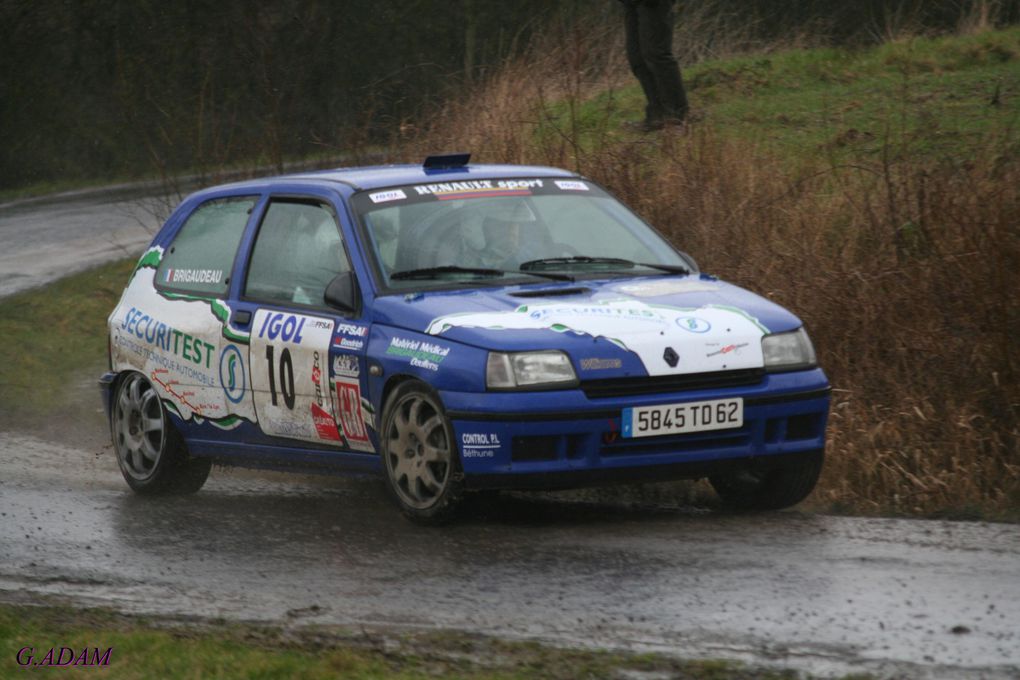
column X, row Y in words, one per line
column 398, row 379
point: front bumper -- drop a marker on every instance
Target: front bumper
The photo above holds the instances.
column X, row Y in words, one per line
column 564, row 438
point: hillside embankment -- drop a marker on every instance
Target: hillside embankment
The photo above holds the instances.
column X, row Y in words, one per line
column 875, row 192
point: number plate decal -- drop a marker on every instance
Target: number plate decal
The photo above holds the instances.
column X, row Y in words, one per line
column 692, row 416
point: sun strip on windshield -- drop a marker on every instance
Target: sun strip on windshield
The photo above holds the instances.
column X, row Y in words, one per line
column 477, row 188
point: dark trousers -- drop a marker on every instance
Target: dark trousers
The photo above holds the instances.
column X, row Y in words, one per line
column 649, row 27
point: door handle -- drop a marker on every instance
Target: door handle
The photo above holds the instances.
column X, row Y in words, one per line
column 242, row 317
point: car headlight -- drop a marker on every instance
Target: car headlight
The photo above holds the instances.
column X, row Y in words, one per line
column 528, row 370
column 788, row 351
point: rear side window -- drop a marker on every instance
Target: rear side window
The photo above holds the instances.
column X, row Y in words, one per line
column 202, row 254
column 298, row 251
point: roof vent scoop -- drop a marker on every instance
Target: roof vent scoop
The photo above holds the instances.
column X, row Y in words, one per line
column 446, row 161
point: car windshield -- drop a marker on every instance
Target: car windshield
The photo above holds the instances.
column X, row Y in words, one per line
column 503, row 230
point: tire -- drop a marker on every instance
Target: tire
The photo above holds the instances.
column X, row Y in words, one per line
column 770, row 488
column 420, row 458
column 150, row 452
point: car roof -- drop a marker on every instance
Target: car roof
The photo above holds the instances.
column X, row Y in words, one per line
column 379, row 176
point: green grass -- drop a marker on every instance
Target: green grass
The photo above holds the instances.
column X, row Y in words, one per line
column 57, row 335
column 217, row 650
column 943, row 97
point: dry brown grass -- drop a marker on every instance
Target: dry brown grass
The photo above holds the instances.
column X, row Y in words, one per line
column 906, row 271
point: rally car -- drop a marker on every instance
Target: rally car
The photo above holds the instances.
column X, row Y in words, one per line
column 452, row 327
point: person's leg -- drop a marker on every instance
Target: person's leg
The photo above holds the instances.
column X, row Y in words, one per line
column 655, row 37
column 635, row 57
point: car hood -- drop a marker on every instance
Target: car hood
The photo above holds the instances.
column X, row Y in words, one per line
column 610, row 328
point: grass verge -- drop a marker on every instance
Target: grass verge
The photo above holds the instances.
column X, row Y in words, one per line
column 59, row 334
column 943, row 96
column 175, row 649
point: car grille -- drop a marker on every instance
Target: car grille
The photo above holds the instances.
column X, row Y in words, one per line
column 627, row 387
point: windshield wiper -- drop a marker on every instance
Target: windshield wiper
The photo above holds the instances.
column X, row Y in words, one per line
column 433, row 272
column 548, row 275
column 672, row 268
column 584, row 259
column 573, row 259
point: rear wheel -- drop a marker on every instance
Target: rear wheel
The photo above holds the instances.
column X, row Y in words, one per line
column 150, row 452
column 419, row 454
column 771, row 487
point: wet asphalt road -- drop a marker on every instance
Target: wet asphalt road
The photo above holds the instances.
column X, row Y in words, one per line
column 41, row 241
column 824, row 594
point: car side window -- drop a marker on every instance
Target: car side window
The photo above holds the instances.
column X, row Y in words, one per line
column 298, row 251
column 202, row 254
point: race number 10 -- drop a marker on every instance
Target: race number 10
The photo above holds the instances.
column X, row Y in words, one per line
column 286, row 371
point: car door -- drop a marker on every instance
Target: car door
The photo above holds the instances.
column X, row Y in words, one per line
column 193, row 366
column 305, row 359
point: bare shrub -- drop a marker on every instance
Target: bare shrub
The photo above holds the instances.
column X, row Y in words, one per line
column 903, row 268
column 980, row 17
column 906, row 275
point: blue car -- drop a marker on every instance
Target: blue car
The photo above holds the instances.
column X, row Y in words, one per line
column 452, row 327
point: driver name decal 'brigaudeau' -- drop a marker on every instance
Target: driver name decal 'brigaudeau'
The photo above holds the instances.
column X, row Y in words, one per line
column 646, row 330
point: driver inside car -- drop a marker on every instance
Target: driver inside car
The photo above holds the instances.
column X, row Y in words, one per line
column 515, row 238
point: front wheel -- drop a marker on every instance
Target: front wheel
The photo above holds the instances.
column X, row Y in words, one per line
column 420, row 455
column 151, row 454
column 770, row 488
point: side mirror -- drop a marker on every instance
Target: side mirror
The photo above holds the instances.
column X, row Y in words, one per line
column 342, row 293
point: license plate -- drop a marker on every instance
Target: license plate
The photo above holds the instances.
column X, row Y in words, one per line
column 692, row 416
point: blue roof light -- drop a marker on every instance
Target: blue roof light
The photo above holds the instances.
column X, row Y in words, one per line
column 447, row 161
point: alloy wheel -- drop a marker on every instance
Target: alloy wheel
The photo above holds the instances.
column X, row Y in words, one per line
column 138, row 427
column 418, row 454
